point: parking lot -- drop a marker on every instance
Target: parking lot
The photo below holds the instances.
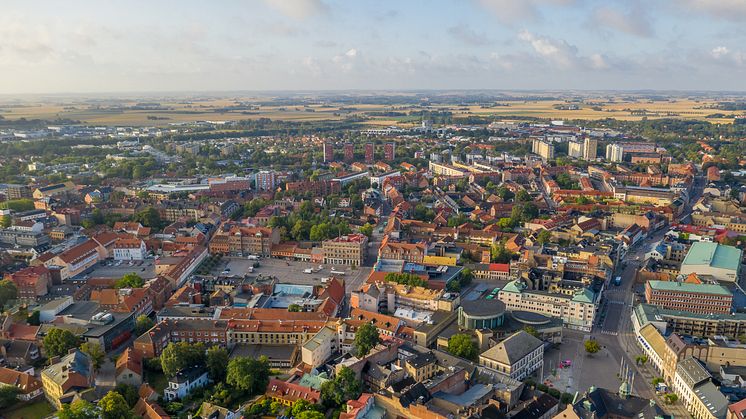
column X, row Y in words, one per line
column 292, row 271
column 117, row 269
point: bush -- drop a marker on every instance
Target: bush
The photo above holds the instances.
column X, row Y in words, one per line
column 554, row 393
column 566, row 398
column 542, row 387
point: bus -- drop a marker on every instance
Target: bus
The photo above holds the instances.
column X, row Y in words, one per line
column 333, row 272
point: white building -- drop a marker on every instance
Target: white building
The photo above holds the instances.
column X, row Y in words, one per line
column 319, row 348
column 701, row 397
column 614, row 152
column 184, row 382
column 576, row 311
column 575, row 149
column 130, row 249
column 517, row 356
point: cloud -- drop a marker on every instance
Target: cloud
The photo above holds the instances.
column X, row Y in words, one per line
column 515, row 11
column 556, row 51
column 634, row 22
column 734, row 10
column 346, row 61
column 719, row 52
column 299, row 9
column 723, row 55
column 468, row 36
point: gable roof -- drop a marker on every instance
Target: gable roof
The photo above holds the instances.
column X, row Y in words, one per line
column 514, row 348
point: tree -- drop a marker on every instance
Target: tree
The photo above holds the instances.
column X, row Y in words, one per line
column 217, row 363
column 247, row 374
column 58, row 342
column 8, row 396
column 367, row 229
column 302, row 405
column 149, row 217
column 499, row 253
column 544, row 236
column 641, row 359
column 531, row 331
column 310, row 414
column 143, row 323
column 113, row 406
column 656, row 381
column 671, row 398
column 94, row 351
column 591, row 346
column 345, row 386
column 366, row 338
column 179, row 355
column 461, row 345
column 523, row 196
column 6, row 221
column 79, row 409
column 130, row 280
column 8, row 291
column 294, row 308
column 33, row 318
column 129, row 393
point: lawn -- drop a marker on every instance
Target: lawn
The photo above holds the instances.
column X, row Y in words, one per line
column 34, row 410
column 157, row 380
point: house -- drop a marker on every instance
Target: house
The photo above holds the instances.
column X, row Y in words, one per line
column 28, row 386
column 600, row 403
column 184, row 382
column 31, row 282
column 129, row 248
column 287, row 393
column 211, row 411
column 71, row 375
column 149, row 409
column 17, row 352
column 517, row 356
column 129, row 368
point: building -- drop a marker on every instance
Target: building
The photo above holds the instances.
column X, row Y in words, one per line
column 481, row 314
column 13, row 191
column 575, row 149
column 590, row 146
column 695, row 298
column 389, row 151
column 577, row 310
column 543, row 149
column 184, row 382
column 32, row 282
column 614, row 152
column 129, row 368
column 349, row 150
column 76, row 259
column 246, row 241
column 370, row 153
column 710, row 325
column 600, row 403
column 722, row 263
column 518, row 356
column 265, row 180
column 287, row 393
column 64, row 379
column 29, row 387
column 347, row 250
column 328, row 149
column 129, row 248
column 693, row 383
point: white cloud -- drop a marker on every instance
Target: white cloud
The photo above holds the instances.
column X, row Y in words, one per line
column 515, row 11
column 598, row 62
column 719, row 52
column 724, row 55
column 556, row 51
column 346, row 61
column 468, row 36
column 724, row 9
column 298, row 9
column 634, row 22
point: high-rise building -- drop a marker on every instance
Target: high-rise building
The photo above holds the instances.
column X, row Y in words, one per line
column 614, row 152
column 589, row 148
column 349, row 150
column 389, row 151
column 370, row 153
column 575, row 149
column 265, row 180
column 543, row 149
column 328, row 152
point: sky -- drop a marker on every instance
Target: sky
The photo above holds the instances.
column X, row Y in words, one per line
column 77, row 46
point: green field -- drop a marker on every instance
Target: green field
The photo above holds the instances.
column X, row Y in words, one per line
column 36, row 410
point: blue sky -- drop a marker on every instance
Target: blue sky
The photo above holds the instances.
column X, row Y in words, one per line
column 116, row 46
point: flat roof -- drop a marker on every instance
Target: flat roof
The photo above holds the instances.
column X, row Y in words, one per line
column 688, row 287
column 713, row 254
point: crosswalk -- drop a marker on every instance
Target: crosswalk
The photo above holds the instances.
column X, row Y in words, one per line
column 609, row 332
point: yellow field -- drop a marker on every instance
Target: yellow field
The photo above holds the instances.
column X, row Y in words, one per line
column 201, row 109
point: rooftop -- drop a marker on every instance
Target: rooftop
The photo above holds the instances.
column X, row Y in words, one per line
column 713, row 254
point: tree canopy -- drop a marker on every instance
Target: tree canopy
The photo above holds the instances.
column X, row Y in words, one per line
column 8, row 291
column 343, row 387
column 179, row 355
column 130, row 280
column 79, row 409
column 247, row 374
column 113, row 406
column 462, row 345
column 58, row 342
column 366, row 338
column 217, row 363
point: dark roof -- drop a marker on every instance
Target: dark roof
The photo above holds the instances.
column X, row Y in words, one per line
column 602, row 403
column 188, row 374
column 483, row 307
column 417, row 392
column 537, row 408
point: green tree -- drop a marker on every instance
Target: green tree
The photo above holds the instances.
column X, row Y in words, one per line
column 367, row 229
column 499, row 253
column 130, row 280
column 33, row 318
column 302, row 405
column 523, row 196
column 671, row 398
column 247, row 374
column 345, row 386
column 544, row 236
column 8, row 396
column 149, row 217
column 129, row 393
column 113, row 406
column 531, row 331
column 591, row 346
column 366, row 338
column 179, row 355
column 58, row 342
column 310, row 414
column 461, row 345
column 79, row 409
column 294, row 308
column 94, row 351
column 217, row 363
column 6, row 221
column 143, row 323
column 8, row 292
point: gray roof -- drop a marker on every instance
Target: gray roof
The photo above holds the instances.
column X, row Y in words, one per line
column 712, row 398
column 76, row 362
column 692, row 371
column 514, row 348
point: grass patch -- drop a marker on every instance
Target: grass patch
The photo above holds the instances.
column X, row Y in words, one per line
column 38, row 409
column 157, row 380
